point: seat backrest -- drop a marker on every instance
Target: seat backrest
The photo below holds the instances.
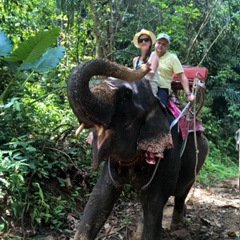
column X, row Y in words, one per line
column 191, row 73
column 194, row 72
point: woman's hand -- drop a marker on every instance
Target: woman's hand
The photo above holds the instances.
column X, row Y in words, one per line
column 148, row 64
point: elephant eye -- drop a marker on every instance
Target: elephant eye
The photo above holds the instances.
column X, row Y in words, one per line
column 127, row 95
column 124, row 93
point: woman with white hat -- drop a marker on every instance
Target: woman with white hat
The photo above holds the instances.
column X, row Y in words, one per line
column 144, row 40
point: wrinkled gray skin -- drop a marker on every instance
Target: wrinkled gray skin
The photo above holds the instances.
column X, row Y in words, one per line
column 129, row 113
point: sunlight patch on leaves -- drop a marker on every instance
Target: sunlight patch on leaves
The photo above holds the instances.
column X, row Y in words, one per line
column 48, row 61
column 32, row 49
column 5, row 44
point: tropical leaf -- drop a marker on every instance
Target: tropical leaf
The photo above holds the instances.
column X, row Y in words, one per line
column 48, row 61
column 33, row 48
column 5, row 44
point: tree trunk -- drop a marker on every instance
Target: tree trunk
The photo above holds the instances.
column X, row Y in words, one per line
column 102, row 28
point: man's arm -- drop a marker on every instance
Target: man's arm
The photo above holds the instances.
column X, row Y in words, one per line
column 185, row 84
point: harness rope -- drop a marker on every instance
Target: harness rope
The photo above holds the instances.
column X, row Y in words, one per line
column 195, row 89
column 131, row 164
column 155, row 170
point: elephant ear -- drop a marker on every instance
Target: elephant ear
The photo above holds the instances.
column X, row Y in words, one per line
column 155, row 134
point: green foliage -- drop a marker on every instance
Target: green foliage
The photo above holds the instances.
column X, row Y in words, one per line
column 222, row 159
column 218, row 166
column 30, row 51
column 5, row 44
column 26, row 146
column 32, row 176
column 37, row 147
column 48, row 61
column 222, row 116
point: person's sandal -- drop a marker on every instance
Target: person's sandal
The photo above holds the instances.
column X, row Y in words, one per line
column 150, row 158
column 159, row 155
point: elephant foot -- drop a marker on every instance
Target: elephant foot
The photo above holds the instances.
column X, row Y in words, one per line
column 138, row 234
column 177, row 221
column 78, row 237
column 83, row 235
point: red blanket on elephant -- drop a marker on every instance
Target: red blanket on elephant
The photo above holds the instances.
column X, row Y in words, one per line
column 192, row 74
column 183, row 123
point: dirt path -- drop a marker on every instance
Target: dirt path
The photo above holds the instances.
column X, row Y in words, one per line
column 213, row 214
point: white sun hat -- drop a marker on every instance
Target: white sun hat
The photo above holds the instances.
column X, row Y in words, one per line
column 143, row 31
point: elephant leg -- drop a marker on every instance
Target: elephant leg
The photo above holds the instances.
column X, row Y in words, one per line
column 98, row 208
column 154, row 199
column 187, row 177
column 179, row 211
column 138, row 234
column 153, row 214
column 156, row 195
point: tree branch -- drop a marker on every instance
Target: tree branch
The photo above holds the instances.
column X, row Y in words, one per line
column 199, row 31
column 214, row 42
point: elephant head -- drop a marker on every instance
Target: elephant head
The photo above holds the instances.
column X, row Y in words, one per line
column 121, row 111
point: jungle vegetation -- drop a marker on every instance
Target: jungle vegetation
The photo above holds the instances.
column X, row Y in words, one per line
column 38, row 150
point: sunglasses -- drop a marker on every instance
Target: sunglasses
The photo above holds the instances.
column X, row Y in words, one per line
column 140, row 40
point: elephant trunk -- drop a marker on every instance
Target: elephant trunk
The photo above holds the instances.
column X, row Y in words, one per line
column 88, row 106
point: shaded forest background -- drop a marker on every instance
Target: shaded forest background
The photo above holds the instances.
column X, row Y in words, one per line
column 37, row 144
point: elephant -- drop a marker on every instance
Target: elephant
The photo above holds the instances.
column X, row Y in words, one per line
column 122, row 113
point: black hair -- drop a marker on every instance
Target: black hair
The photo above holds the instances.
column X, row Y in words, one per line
column 148, row 53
